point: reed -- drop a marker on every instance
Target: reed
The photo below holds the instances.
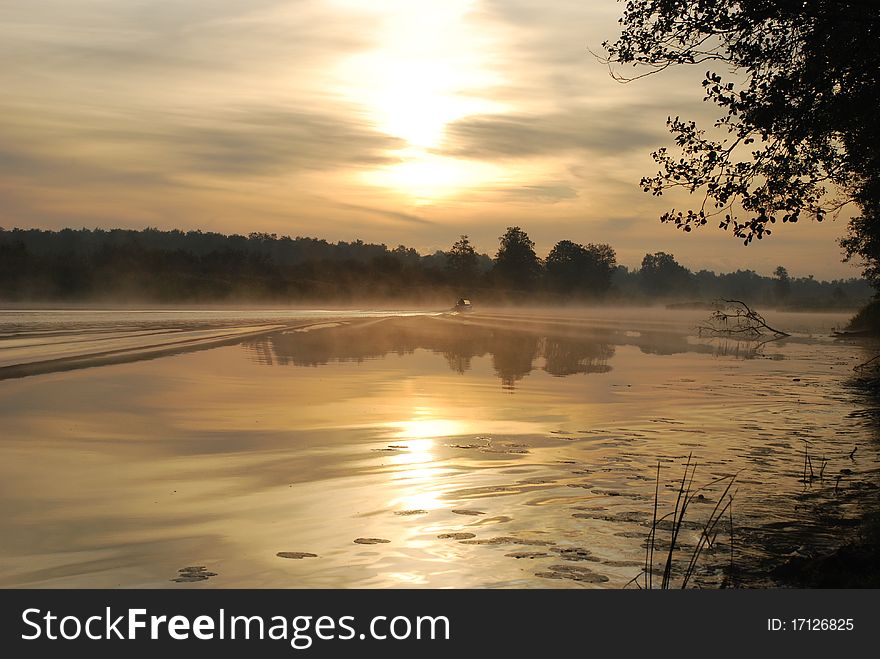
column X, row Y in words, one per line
column 708, row 534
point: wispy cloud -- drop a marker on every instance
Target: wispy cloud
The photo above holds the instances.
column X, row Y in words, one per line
column 546, row 193
column 616, row 131
column 396, row 216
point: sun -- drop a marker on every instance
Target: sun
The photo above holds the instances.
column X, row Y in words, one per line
column 429, row 69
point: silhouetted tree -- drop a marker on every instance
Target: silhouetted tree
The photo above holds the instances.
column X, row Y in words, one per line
column 462, row 262
column 574, row 269
column 516, row 264
column 800, row 111
column 662, row 276
column 782, row 284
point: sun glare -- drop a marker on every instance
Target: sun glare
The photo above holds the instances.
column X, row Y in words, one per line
column 429, row 69
column 427, row 177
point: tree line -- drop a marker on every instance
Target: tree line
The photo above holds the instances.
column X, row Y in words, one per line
column 79, row 265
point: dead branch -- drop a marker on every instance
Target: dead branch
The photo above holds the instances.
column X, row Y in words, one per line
column 736, row 318
column 864, row 365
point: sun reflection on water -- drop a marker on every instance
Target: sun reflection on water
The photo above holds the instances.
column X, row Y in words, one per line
column 414, row 471
column 425, row 428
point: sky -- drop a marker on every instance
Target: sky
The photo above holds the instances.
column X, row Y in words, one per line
column 397, row 121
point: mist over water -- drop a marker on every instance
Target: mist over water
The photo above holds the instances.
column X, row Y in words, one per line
column 502, row 448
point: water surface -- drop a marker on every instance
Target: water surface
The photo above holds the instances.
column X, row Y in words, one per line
column 507, row 449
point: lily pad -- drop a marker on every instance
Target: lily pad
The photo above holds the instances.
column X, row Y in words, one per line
column 370, row 541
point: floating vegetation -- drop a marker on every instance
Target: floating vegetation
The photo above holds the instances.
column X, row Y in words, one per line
column 633, row 516
column 407, row 513
column 508, row 540
column 467, row 511
column 193, row 573
column 574, row 554
column 572, row 572
column 295, row 554
column 456, row 536
column 370, row 541
column 528, row 554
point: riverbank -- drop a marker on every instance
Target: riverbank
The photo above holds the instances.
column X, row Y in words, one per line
column 854, row 565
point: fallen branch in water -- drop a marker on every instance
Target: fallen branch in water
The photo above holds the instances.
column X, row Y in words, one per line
column 736, row 318
column 864, row 365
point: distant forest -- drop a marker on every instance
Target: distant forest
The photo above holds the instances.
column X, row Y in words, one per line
column 121, row 265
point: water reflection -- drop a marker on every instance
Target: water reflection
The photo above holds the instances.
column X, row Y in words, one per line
column 513, row 352
column 746, row 348
column 559, row 348
column 568, row 357
column 513, row 356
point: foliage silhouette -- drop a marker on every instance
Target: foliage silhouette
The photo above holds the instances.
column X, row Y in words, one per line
column 573, row 269
column 661, row 272
column 194, row 267
column 462, row 262
column 798, row 136
column 516, row 264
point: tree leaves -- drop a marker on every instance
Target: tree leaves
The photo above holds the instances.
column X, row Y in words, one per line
column 800, row 117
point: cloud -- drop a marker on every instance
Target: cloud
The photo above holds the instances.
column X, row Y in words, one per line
column 609, row 132
column 173, row 38
column 265, row 141
column 158, row 92
column 397, row 216
column 561, row 33
column 243, row 142
column 548, row 193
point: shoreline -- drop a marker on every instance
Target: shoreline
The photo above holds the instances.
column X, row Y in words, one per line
column 855, row 564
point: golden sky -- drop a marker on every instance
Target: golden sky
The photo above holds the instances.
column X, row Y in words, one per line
column 396, row 121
